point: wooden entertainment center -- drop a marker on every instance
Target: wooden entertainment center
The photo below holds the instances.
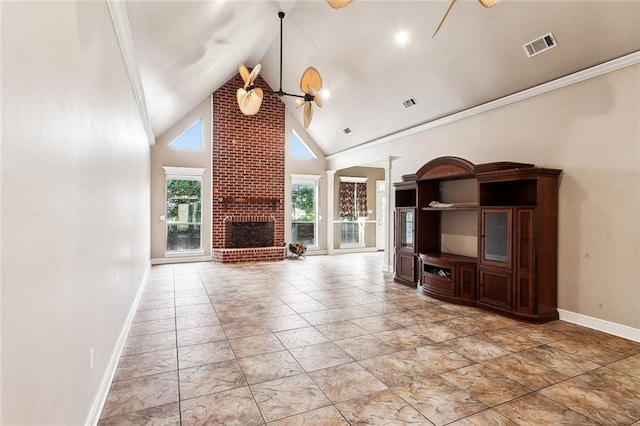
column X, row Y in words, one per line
column 516, row 214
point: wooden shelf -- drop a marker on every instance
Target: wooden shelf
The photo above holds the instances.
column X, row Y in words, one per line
column 466, row 206
column 452, row 208
column 445, row 258
column 248, row 200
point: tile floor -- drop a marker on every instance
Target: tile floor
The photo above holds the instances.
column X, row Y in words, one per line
column 333, row 341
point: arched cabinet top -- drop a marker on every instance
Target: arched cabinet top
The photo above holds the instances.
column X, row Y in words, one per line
column 446, row 168
column 449, row 168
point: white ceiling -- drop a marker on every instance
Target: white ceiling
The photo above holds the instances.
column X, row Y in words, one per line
column 186, row 50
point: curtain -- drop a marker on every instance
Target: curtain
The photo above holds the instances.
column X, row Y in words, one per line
column 353, row 199
column 347, row 199
column 361, row 200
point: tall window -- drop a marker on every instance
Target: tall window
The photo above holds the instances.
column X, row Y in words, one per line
column 184, row 210
column 304, row 209
column 353, row 211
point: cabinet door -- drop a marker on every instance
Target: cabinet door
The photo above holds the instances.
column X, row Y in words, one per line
column 495, row 237
column 525, row 258
column 495, row 288
column 405, row 267
column 466, row 279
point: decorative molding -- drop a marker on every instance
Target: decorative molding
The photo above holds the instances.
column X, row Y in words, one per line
column 120, row 19
column 609, row 327
column 580, row 76
column 183, row 171
column 353, row 179
column 101, row 397
column 305, row 178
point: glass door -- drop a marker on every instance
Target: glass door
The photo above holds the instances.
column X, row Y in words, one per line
column 184, row 208
column 407, row 229
column 495, row 237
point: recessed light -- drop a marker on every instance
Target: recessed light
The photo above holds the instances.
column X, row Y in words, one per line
column 325, row 94
column 402, row 38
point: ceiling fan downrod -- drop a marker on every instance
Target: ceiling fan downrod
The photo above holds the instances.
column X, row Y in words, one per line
column 281, row 92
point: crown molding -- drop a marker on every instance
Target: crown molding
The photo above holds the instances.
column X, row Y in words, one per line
column 586, row 74
column 120, row 19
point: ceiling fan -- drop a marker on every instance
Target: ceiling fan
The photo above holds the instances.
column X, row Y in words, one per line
column 250, row 97
column 486, row 3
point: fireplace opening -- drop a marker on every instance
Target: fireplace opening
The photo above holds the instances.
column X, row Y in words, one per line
column 251, row 234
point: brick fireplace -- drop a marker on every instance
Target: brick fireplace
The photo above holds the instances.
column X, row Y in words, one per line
column 248, row 177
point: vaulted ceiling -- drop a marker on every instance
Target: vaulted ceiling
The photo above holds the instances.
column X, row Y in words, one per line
column 186, row 50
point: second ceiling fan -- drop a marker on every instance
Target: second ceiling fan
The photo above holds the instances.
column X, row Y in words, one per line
column 250, row 96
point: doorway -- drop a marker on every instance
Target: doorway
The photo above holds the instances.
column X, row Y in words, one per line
column 381, row 213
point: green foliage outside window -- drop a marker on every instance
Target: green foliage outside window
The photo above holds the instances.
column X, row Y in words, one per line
column 186, row 193
column 303, row 202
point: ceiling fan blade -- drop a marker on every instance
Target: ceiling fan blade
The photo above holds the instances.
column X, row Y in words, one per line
column 249, row 102
column 308, row 114
column 244, row 73
column 316, row 97
column 489, row 3
column 443, row 18
column 310, row 77
column 254, row 73
column 337, row 4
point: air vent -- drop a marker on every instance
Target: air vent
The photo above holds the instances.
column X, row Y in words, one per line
column 540, row 45
column 409, row 103
column 346, row 130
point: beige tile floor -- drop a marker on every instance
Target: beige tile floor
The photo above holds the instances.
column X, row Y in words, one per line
column 332, row 340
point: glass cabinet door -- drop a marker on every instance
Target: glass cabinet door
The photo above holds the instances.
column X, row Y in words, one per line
column 407, row 228
column 496, row 237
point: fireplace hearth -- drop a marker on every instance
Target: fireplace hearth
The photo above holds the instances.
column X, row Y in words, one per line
column 249, row 239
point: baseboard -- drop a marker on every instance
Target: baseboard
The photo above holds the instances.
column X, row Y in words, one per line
column 181, row 259
column 355, row 250
column 314, row 253
column 101, row 397
column 609, row 327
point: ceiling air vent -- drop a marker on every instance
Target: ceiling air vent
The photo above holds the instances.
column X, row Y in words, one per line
column 539, row 45
column 346, row 130
column 409, row 103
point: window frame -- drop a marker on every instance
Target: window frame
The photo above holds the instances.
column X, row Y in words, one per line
column 297, row 179
column 361, row 221
column 182, row 173
column 304, row 144
column 200, row 122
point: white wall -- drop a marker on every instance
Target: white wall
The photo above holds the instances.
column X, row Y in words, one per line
column 590, row 130
column 162, row 155
column 75, row 207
